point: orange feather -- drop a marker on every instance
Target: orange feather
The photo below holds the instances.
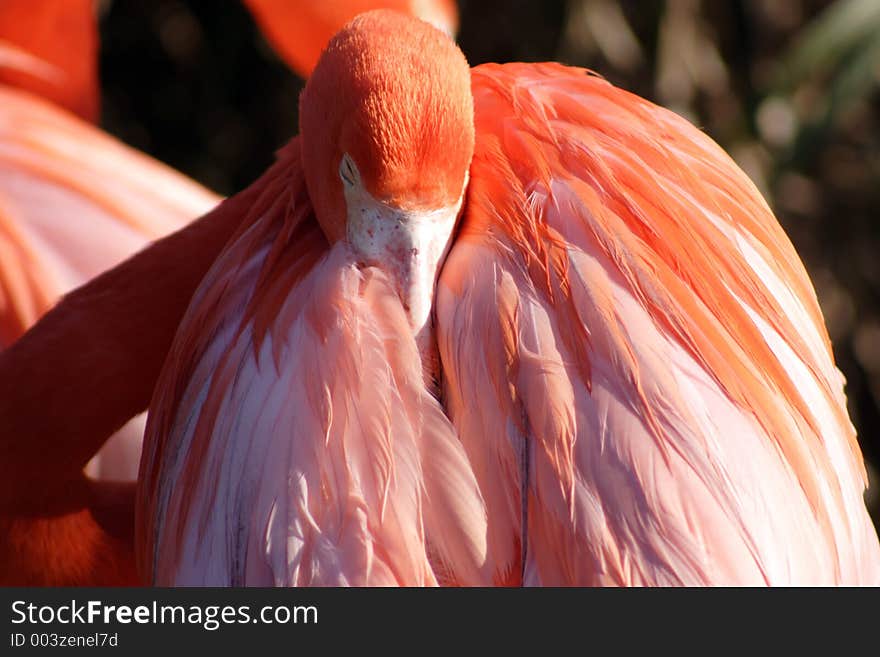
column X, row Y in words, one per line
column 632, row 358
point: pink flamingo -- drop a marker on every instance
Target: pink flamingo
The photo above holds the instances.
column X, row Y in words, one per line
column 630, row 351
column 636, row 384
column 299, row 31
column 73, row 200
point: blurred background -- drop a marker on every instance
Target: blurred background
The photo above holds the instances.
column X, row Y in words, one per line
column 791, row 88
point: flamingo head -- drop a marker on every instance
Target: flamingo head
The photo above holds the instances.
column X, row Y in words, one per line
column 387, row 130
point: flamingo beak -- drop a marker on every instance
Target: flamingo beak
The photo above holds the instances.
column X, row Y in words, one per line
column 409, row 246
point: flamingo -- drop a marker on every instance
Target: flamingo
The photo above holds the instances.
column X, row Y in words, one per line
column 629, row 353
column 636, row 381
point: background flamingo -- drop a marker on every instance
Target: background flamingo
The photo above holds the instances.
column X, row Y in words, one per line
column 631, row 352
column 299, row 31
column 73, row 200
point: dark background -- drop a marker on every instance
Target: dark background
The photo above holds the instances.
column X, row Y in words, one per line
column 788, row 87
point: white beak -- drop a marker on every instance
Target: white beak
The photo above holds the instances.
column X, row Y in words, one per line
column 408, row 245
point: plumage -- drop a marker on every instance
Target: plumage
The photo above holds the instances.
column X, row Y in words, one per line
column 62, row 221
column 316, row 447
column 633, row 355
column 291, row 436
column 637, row 387
column 107, row 341
column 75, row 202
column 654, row 351
column 299, row 31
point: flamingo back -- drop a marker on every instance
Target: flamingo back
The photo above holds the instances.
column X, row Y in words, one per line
column 658, row 398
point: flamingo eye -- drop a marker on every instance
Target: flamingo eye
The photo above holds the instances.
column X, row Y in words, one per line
column 348, row 171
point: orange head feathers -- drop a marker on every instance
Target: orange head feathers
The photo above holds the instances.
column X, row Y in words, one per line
column 394, row 94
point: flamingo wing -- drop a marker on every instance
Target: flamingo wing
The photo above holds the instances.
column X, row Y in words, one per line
column 634, row 357
column 291, row 440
